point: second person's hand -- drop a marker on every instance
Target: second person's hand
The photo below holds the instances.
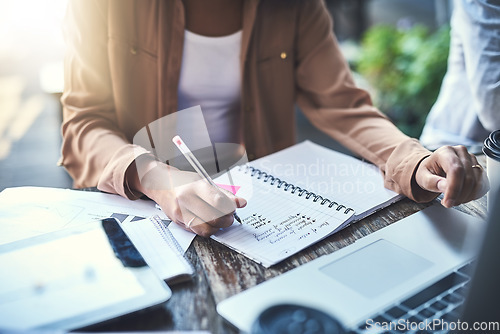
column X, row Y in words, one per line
column 455, row 172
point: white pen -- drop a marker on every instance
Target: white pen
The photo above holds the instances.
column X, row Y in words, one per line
column 196, row 165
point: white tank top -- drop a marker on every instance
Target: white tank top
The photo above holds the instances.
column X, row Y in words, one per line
column 210, row 77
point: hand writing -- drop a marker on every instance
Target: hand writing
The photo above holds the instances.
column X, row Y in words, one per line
column 189, row 200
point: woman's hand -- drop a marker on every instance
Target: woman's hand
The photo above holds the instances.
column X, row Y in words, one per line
column 452, row 170
column 189, row 200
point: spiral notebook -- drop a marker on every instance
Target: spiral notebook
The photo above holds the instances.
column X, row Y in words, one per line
column 297, row 197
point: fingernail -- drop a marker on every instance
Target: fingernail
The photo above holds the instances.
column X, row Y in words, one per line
column 441, row 185
column 241, row 202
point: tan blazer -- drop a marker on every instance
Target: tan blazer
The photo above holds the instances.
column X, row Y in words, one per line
column 122, row 70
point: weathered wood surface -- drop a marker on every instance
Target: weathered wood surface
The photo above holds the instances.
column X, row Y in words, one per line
column 221, row 273
column 229, row 273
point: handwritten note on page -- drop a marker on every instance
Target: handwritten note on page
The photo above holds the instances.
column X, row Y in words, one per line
column 277, row 223
column 298, row 196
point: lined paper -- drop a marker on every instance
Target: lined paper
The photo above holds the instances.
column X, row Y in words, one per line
column 354, row 183
column 277, row 223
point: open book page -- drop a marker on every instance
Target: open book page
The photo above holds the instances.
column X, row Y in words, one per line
column 354, row 183
column 277, row 222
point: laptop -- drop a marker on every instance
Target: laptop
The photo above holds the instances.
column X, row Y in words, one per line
column 74, row 278
column 406, row 275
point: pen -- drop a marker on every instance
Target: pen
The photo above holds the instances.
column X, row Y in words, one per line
column 196, row 165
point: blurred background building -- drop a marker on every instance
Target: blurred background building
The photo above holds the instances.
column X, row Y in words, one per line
column 32, row 48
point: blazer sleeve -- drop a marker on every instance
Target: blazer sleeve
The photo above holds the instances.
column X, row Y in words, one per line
column 94, row 150
column 328, row 96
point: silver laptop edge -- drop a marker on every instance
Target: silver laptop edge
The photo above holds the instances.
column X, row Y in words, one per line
column 362, row 279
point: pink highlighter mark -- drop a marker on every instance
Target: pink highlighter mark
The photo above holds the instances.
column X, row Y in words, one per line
column 231, row 188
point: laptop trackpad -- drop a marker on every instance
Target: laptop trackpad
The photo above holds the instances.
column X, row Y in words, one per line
column 376, row 268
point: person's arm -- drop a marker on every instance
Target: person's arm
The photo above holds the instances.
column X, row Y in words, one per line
column 329, row 98
column 95, row 151
column 185, row 197
column 477, row 24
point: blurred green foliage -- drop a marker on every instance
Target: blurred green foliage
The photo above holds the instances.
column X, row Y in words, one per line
column 405, row 67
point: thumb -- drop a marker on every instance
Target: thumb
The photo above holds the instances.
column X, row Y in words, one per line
column 240, row 202
column 442, row 184
column 438, row 184
column 431, row 182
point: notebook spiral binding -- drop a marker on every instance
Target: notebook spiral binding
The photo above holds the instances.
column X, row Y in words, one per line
column 294, row 189
column 166, row 234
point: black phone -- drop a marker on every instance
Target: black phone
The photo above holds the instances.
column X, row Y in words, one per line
column 123, row 248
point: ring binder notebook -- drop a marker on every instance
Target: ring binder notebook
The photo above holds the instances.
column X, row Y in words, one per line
column 297, row 197
column 295, row 189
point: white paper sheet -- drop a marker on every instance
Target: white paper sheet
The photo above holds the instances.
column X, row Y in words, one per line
column 30, row 211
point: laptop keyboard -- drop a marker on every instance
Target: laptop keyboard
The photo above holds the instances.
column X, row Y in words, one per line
column 441, row 300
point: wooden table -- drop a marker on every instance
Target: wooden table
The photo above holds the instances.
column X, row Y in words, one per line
column 221, row 273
